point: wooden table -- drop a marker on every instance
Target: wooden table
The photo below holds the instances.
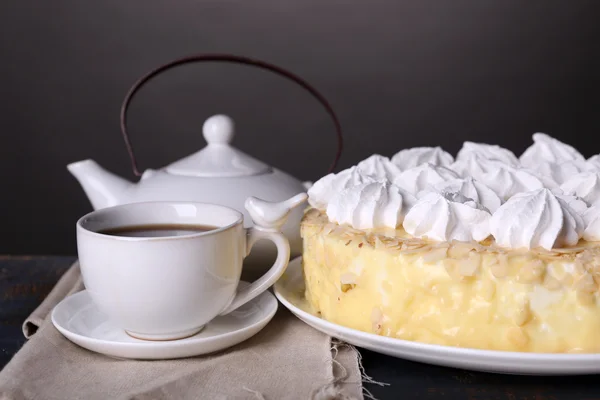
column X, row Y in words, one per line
column 25, row 281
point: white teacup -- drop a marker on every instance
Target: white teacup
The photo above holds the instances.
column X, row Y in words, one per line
column 169, row 287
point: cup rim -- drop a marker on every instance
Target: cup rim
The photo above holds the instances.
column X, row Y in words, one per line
column 82, row 229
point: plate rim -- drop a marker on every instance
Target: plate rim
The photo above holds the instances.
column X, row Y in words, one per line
column 497, row 355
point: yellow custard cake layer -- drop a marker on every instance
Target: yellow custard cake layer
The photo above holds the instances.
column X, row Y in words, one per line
column 474, row 295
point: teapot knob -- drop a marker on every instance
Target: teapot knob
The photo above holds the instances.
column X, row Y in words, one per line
column 218, row 129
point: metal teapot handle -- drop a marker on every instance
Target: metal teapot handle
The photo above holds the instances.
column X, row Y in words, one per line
column 230, row 59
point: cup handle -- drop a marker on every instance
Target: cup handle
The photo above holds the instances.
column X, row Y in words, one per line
column 271, row 276
column 268, row 218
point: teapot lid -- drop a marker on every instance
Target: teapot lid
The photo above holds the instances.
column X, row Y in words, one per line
column 218, row 159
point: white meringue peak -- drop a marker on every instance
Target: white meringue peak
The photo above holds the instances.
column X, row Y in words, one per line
column 555, row 174
column 376, row 204
column 446, row 217
column 487, row 152
column 325, row 188
column 476, row 165
column 592, row 224
column 507, row 181
column 536, row 219
column 472, row 189
column 576, row 203
column 423, row 177
column 546, row 148
column 416, row 156
column 585, row 185
column 378, row 167
column 593, row 163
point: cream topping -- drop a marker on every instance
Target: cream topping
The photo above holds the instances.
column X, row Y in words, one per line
column 538, row 200
column 507, row 181
column 376, row 204
column 591, row 219
column 576, row 203
column 488, row 152
column 503, row 179
column 585, row 185
column 472, row 189
column 378, row 167
column 410, row 158
column 546, row 148
column 423, row 177
column 476, row 165
column 536, row 219
column 447, row 216
column 593, row 164
column 555, row 174
column 325, row 188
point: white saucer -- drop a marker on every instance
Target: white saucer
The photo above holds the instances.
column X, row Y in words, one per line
column 80, row 321
column 290, row 291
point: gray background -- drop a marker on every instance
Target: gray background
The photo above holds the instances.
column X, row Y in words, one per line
column 399, row 73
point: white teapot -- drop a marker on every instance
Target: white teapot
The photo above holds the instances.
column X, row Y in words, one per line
column 218, row 173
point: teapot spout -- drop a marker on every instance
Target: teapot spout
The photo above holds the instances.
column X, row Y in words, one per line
column 103, row 188
column 272, row 215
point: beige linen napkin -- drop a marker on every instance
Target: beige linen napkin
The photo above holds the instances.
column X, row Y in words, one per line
column 286, row 360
